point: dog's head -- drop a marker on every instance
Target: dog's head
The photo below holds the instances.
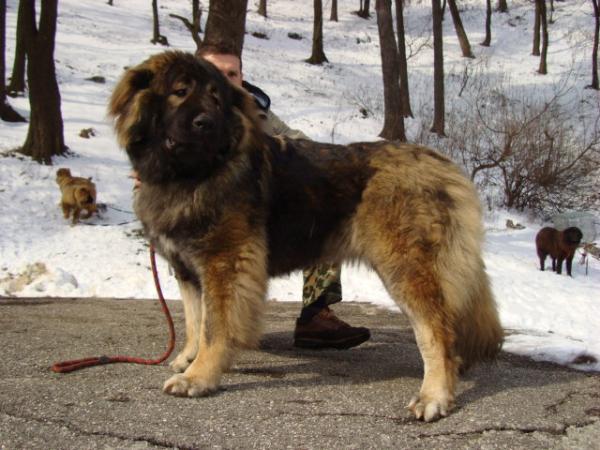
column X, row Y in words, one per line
column 573, row 235
column 62, row 174
column 178, row 117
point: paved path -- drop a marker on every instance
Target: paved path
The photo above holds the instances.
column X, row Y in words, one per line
column 279, row 397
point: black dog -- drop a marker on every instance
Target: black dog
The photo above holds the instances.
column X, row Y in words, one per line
column 560, row 245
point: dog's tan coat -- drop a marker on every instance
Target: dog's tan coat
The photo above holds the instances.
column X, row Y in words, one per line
column 77, row 194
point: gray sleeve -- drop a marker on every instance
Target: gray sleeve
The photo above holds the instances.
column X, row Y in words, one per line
column 275, row 126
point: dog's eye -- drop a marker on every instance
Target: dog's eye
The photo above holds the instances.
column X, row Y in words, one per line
column 180, row 92
column 215, row 96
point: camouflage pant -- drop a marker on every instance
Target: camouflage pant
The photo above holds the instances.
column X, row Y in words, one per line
column 322, row 281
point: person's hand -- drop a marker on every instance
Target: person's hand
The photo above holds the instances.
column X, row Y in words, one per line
column 136, row 180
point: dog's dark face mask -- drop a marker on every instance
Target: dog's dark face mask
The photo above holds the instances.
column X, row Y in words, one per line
column 184, row 114
column 573, row 235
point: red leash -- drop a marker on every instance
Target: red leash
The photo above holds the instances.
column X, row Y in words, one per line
column 76, row 364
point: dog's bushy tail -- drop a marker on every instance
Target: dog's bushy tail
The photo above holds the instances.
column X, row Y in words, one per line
column 478, row 330
column 466, row 286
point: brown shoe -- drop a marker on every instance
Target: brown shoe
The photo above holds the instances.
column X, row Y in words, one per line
column 325, row 330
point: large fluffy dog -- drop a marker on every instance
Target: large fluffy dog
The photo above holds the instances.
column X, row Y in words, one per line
column 229, row 206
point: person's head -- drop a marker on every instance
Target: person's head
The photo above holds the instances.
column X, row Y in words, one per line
column 225, row 59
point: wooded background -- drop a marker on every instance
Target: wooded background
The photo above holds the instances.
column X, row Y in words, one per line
column 529, row 150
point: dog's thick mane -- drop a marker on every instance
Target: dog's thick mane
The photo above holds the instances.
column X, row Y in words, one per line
column 128, row 96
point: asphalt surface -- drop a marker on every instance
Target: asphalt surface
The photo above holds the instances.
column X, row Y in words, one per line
column 278, row 397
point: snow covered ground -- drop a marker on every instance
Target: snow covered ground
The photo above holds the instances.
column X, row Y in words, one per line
column 548, row 317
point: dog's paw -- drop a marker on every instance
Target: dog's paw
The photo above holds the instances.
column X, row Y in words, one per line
column 181, row 362
column 182, row 386
column 429, row 409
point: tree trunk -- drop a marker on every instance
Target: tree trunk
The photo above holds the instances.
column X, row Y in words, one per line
column 262, row 8
column 364, row 10
column 6, row 112
column 465, row 46
column 502, row 6
column 393, row 126
column 226, row 24
column 536, row 30
column 402, row 63
column 543, row 69
column 195, row 26
column 155, row 23
column 318, row 55
column 488, row 23
column 17, row 79
column 438, row 70
column 334, row 11
column 157, row 38
column 196, row 22
column 45, row 136
column 595, row 84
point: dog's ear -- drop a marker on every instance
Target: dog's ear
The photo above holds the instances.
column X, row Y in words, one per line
column 123, row 106
column 134, row 80
column 245, row 103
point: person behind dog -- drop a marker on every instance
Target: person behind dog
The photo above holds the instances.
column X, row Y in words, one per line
column 317, row 326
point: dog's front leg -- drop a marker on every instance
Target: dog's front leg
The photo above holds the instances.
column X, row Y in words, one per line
column 569, row 262
column 193, row 305
column 234, row 287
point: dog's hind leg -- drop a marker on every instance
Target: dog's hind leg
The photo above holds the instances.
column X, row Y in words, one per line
column 191, row 295
column 88, row 214
column 420, row 296
column 234, row 286
column 542, row 257
column 559, row 263
column 76, row 212
column 413, row 282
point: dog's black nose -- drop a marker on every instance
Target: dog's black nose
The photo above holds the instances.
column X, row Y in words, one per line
column 202, row 122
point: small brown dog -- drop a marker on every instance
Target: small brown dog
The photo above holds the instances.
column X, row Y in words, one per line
column 77, row 194
column 560, row 245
